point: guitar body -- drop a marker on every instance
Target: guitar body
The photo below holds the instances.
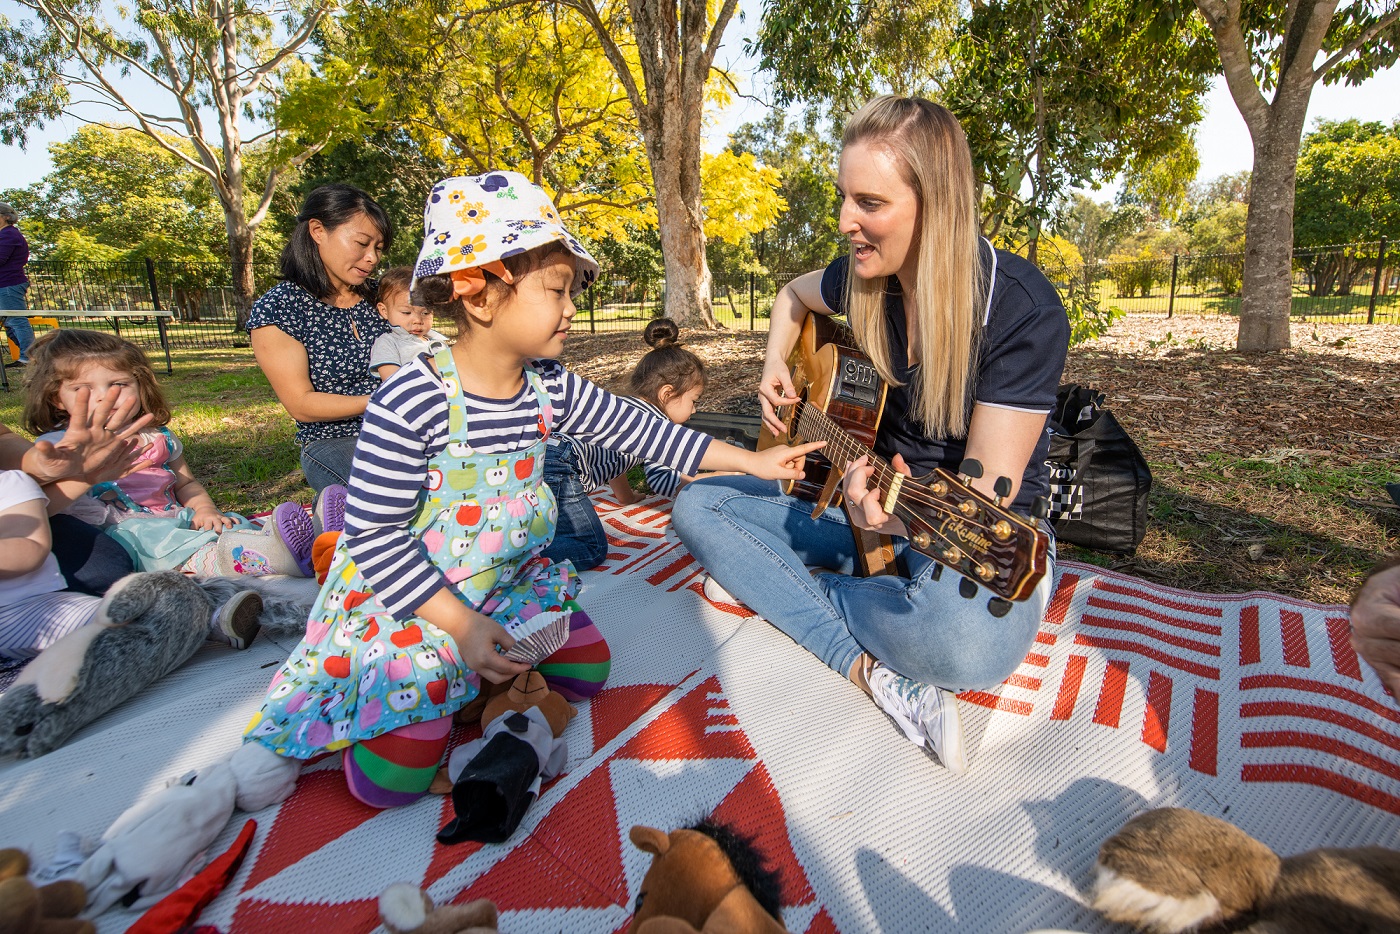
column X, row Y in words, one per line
column 832, row 375
column 946, row 518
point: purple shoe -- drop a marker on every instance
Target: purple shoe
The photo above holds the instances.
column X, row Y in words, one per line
column 290, row 523
column 329, row 514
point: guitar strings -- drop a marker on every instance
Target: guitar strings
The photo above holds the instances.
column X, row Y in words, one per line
column 965, row 562
column 883, row 473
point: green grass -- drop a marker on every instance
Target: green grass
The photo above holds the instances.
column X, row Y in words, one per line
column 1339, row 309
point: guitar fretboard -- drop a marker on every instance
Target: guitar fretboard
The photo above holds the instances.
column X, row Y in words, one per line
column 812, row 424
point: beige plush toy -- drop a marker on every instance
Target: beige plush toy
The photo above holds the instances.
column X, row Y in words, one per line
column 407, row 909
column 1173, row 870
column 27, row 909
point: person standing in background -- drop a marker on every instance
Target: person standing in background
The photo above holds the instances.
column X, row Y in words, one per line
column 14, row 253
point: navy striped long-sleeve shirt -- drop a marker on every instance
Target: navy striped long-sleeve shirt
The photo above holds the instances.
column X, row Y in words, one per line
column 406, row 425
column 599, row 465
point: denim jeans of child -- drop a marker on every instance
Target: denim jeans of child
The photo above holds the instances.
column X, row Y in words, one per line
column 578, row 534
column 759, row 543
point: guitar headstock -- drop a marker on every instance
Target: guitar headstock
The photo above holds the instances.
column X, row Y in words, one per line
column 967, row 531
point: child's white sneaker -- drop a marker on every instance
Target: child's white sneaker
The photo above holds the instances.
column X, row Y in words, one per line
column 926, row 714
column 236, row 622
column 717, row 594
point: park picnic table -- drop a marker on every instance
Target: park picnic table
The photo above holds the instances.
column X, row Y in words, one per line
column 114, row 315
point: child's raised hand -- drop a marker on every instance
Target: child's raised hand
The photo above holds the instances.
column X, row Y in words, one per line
column 101, row 442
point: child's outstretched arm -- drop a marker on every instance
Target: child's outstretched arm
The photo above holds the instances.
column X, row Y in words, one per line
column 25, row 540
column 779, row 462
column 191, row 493
column 100, row 443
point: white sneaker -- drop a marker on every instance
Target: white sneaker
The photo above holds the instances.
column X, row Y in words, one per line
column 717, row 594
column 926, row 714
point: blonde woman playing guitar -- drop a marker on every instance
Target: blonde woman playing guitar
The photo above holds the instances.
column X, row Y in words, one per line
column 971, row 343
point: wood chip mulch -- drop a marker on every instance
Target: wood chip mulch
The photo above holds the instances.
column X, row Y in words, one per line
column 1269, row 469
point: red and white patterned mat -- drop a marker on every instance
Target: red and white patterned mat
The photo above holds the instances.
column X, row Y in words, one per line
column 1251, row 707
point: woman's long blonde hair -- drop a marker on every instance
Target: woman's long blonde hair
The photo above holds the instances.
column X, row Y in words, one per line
column 950, row 289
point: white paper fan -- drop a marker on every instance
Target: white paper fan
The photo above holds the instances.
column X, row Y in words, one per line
column 538, row 637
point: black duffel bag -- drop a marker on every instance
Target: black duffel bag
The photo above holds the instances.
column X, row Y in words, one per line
column 1099, row 479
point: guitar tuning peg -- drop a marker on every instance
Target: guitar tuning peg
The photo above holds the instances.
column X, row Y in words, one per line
column 971, row 468
column 1040, row 507
column 998, row 607
column 1002, row 489
column 967, row 589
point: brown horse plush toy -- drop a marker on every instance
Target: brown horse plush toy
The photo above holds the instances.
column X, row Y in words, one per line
column 706, row 879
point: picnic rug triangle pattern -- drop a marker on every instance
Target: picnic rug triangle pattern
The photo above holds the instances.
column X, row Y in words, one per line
column 1250, row 707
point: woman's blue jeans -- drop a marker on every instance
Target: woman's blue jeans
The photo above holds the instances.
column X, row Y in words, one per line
column 327, row 460
column 759, row 543
column 578, row 535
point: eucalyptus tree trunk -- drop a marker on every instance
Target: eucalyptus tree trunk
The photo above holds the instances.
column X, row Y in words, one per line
column 676, row 45
column 1276, row 129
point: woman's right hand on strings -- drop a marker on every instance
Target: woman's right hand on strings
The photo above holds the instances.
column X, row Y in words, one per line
column 101, row 442
column 775, row 389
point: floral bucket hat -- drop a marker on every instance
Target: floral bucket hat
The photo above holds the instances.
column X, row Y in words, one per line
column 472, row 222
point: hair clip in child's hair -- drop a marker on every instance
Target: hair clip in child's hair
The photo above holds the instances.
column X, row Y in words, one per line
column 473, row 280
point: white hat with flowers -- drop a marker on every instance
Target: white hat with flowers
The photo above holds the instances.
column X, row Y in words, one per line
column 472, row 222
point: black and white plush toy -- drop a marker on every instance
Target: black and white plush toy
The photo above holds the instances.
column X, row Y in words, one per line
column 146, row 626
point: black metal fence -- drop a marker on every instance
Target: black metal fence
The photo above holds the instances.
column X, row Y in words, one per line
column 1355, row 283
column 1349, row 284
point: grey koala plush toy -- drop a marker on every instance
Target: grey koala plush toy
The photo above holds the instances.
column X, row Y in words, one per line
column 146, row 626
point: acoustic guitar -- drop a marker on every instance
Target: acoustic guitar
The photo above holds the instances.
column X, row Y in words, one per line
column 959, row 527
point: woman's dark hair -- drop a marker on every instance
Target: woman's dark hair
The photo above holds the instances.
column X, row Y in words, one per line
column 332, row 205
column 435, row 292
column 666, row 364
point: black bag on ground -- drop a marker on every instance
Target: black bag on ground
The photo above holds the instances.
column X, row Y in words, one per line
column 1099, row 479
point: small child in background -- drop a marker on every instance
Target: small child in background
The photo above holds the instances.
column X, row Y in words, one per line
column 160, row 513
column 412, row 332
column 667, row 382
column 35, row 609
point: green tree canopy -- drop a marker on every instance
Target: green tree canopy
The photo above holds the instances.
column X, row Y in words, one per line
column 1348, row 184
column 805, row 235
column 118, row 194
column 1055, row 96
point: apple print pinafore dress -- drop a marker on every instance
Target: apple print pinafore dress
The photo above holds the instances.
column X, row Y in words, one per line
column 359, row 672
